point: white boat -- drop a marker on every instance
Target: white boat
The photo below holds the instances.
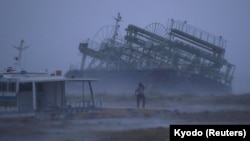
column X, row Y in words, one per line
column 22, row 91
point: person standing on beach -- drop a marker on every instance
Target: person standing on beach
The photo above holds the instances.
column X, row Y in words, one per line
column 139, row 93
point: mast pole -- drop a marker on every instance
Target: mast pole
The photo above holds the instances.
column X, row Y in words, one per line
column 20, row 50
column 117, row 20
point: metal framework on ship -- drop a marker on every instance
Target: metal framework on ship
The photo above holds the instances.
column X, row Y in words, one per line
column 181, row 46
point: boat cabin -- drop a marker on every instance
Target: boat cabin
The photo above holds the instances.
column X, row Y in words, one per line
column 35, row 91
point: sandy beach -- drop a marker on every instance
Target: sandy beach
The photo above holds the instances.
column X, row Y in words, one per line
column 116, row 122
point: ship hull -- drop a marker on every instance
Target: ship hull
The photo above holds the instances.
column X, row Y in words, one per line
column 163, row 81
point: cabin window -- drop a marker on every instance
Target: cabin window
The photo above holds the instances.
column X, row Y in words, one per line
column 25, row 87
column 40, row 87
column 12, row 87
column 5, row 86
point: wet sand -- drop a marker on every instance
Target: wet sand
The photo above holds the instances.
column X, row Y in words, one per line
column 145, row 126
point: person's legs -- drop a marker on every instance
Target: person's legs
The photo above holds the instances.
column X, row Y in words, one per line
column 143, row 101
column 138, row 101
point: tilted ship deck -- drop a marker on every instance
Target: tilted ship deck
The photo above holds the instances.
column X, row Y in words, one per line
column 177, row 58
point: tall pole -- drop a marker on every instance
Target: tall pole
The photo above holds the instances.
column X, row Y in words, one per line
column 20, row 50
column 117, row 20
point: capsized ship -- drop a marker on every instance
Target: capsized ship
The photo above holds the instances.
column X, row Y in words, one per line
column 174, row 59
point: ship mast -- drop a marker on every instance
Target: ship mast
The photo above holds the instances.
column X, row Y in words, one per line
column 20, row 49
column 117, row 20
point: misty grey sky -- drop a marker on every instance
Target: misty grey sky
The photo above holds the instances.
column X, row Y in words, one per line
column 54, row 28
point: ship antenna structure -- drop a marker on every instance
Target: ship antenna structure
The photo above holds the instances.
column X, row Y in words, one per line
column 117, row 26
column 20, row 49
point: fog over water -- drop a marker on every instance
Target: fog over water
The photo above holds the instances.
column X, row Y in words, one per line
column 54, row 29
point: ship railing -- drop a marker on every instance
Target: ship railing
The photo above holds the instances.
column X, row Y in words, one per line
column 198, row 33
